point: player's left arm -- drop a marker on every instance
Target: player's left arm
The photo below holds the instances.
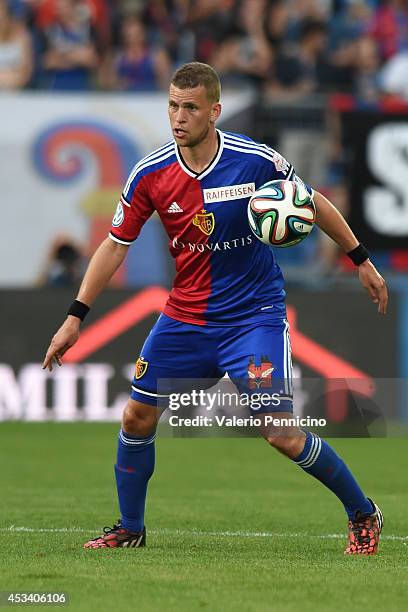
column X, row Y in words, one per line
column 330, row 220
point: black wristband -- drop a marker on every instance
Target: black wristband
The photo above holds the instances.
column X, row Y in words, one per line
column 78, row 309
column 359, row 255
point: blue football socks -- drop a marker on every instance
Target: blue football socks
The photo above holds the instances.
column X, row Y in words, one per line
column 134, row 466
column 322, row 462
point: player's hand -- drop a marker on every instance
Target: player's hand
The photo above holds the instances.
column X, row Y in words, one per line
column 372, row 280
column 65, row 337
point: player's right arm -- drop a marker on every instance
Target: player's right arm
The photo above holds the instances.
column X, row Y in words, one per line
column 133, row 209
column 104, row 263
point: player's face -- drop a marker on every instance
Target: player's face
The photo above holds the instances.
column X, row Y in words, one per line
column 191, row 115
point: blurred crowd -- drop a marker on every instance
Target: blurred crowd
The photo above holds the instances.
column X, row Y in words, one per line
column 286, row 49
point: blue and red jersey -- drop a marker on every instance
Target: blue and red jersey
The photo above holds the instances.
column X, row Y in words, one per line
column 224, row 274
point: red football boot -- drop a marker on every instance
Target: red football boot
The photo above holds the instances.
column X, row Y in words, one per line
column 364, row 533
column 118, row 537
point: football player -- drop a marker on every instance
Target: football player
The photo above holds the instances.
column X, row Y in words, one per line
column 226, row 310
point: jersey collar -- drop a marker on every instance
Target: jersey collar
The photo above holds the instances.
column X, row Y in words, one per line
column 209, row 168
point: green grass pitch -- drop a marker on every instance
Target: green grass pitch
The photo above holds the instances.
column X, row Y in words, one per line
column 232, row 525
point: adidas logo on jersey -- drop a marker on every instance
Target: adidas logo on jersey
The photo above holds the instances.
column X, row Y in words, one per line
column 174, row 208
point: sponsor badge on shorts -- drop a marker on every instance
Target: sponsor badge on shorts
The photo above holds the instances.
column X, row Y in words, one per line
column 260, row 375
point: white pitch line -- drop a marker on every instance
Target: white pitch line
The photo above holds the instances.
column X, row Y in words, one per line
column 196, row 532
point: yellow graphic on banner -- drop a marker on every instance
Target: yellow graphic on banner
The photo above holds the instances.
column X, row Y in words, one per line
column 205, row 222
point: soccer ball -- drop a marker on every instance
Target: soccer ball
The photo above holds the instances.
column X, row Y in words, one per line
column 281, row 213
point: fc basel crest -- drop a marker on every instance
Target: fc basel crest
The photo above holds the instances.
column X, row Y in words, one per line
column 260, row 375
column 205, row 222
column 141, row 367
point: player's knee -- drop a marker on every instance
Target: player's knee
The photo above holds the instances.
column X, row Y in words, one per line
column 139, row 419
column 289, row 445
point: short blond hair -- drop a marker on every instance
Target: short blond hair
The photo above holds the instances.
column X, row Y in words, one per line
column 193, row 74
